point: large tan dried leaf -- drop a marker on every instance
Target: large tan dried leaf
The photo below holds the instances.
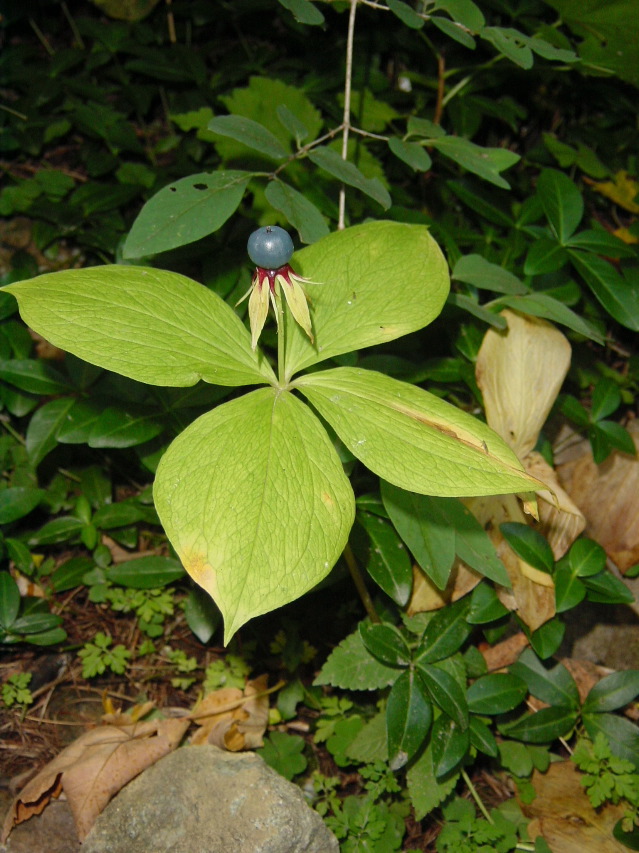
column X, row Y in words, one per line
column 520, row 372
column 562, row 813
column 93, row 768
column 561, row 521
column 231, row 718
column 426, row 596
column 608, row 496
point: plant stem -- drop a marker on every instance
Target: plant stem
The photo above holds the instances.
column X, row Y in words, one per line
column 341, row 224
column 476, row 797
column 281, row 339
column 358, row 580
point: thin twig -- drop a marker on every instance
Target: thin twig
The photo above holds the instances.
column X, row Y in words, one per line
column 358, row 580
column 77, row 35
column 341, row 221
column 441, row 89
column 41, row 37
column 170, row 22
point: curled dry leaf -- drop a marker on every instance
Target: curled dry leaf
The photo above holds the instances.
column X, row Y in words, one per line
column 561, row 521
column 93, row 768
column 426, row 596
column 607, row 496
column 231, row 718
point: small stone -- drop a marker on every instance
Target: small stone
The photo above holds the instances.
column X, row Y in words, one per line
column 200, row 799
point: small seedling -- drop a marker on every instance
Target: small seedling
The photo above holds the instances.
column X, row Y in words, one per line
column 15, row 690
column 97, row 657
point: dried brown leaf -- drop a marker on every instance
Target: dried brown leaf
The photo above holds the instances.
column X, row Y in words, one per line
column 233, row 719
column 93, row 768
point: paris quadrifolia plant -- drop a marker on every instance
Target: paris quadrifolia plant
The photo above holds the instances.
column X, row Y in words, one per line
column 253, row 495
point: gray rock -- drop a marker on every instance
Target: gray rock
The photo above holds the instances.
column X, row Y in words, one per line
column 200, row 799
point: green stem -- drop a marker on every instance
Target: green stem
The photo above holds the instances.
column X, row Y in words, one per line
column 476, row 797
column 358, row 580
column 281, row 340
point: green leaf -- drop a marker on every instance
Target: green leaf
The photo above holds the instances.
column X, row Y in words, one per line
column 377, row 282
column 69, row 575
column 510, row 43
column 467, row 303
column 283, row 752
column 514, row 756
column 454, row 31
column 33, row 376
column 9, row 600
column 606, row 398
column 58, row 530
column 569, row 590
column 18, row 501
column 618, row 296
column 348, row 173
column 446, row 692
column 546, row 639
column 432, row 543
column 411, row 153
column 475, row 270
column 546, row 306
column 299, row 211
column 485, row 162
column 43, row 428
column 465, row 12
column 544, row 256
column 185, row 211
column 202, row 616
column 496, row 693
column 562, row 203
column 34, row 623
column 120, row 514
column 411, row 438
column 427, row 792
column 291, row 122
column 117, row 427
column 370, row 743
column 612, row 692
column 145, row 572
column 472, row 543
column 386, row 643
column 153, row 326
column 484, row 206
column 406, row 14
column 78, row 423
column 255, row 502
column 543, row 726
column 409, row 714
column 617, row 436
column 351, row 666
column 450, row 745
column 601, row 243
column 304, row 12
column 482, row 738
column 605, row 588
column 529, row 545
column 445, row 633
column 555, row 686
column 621, row 734
column 250, row 133
column 485, row 606
column 388, row 563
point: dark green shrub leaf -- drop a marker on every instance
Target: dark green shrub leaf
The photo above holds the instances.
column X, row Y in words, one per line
column 9, row 600
column 562, row 203
column 411, row 153
column 250, row 133
column 546, row 306
column 485, row 605
column 386, row 643
column 543, row 726
column 485, row 162
column 617, row 437
column 33, row 376
column 70, row 573
column 445, row 633
column 482, row 738
column 612, row 692
column 345, row 171
column 18, row 501
column 408, row 717
column 476, row 270
column 41, row 437
column 555, row 686
column 618, row 296
column 621, row 734
column 605, row 588
column 450, row 745
column 496, row 693
column 388, row 563
column 569, row 590
column 426, row 792
column 58, row 530
column 544, row 256
column 586, row 558
column 406, row 14
column 547, row 638
column 304, row 12
column 145, row 572
column 117, row 427
column 445, row 692
column 606, row 398
column 351, row 666
column 529, row 545
column 202, row 614
column 299, row 211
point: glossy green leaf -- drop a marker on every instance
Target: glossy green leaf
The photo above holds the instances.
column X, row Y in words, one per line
column 9, row 600
column 411, row 153
column 544, row 256
column 376, row 282
column 304, row 11
column 485, row 162
column 465, row 12
column 58, row 530
column 450, row 745
column 543, row 726
column 546, row 639
column 617, row 436
column 409, row 714
column 572, row 409
column 601, row 243
column 586, row 558
column 388, row 563
column 445, row 692
column 411, row 438
column 78, row 423
column 18, row 501
column 201, row 614
column 562, row 203
column 117, row 515
column 351, row 666
column 485, row 606
column 555, row 686
column 445, row 633
column 546, row 306
column 255, row 501
column 185, row 211
column 250, row 133
column 51, row 637
column 145, row 572
column 618, row 296
column 34, row 623
column 481, row 204
column 472, row 543
column 69, row 575
column 117, row 427
column 150, row 325
column 454, row 31
column 621, row 734
column 299, row 211
column 605, row 588
column 470, row 304
column 292, row 123
column 31, row 375
column 348, row 173
column 406, row 14
column 482, row 738
column 386, row 643
column 529, row 545
column 496, row 693
column 432, row 543
column 476, row 270
column 612, row 692
column 569, row 590
column 606, row 398
column 41, row 436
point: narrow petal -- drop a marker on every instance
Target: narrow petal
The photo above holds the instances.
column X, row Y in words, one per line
column 258, row 309
column 297, row 302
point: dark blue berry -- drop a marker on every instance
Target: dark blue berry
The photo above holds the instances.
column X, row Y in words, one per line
column 270, row 247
